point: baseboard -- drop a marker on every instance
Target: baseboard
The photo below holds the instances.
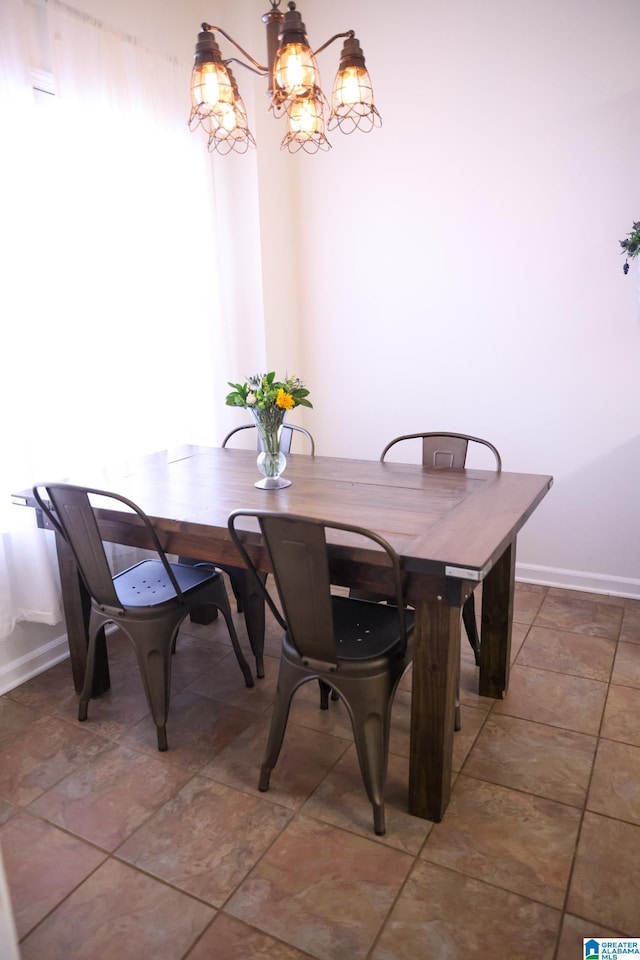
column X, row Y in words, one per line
column 578, row 580
column 31, row 664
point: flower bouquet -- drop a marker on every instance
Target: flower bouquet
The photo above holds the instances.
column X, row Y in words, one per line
column 268, row 400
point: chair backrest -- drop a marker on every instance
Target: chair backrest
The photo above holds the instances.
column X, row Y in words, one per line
column 286, row 436
column 445, row 449
column 299, row 558
column 72, row 514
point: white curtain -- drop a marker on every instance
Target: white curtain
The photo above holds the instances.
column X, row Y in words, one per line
column 111, row 335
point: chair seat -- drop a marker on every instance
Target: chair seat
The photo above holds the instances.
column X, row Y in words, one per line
column 365, row 630
column 147, row 584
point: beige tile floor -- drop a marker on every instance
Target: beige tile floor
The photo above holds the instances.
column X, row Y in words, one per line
column 114, row 850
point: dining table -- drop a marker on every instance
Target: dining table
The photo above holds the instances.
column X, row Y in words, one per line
column 454, row 529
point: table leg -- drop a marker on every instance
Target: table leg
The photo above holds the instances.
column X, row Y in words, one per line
column 76, row 605
column 434, row 681
column 497, row 619
column 204, row 615
column 254, row 615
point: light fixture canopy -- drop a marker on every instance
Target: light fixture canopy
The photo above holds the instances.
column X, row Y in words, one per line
column 294, row 88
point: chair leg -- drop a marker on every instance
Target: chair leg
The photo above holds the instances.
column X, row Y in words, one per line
column 325, row 690
column 87, row 686
column 471, row 627
column 371, row 735
column 457, row 721
column 222, row 602
column 289, row 679
column 251, row 603
column 369, row 739
column 162, row 738
column 154, row 663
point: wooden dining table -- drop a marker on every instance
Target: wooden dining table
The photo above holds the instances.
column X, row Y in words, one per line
column 452, row 528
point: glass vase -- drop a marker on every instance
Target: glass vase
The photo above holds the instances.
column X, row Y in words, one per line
column 271, row 461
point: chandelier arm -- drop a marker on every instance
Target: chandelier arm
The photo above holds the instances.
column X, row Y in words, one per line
column 350, row 34
column 258, row 66
column 261, row 72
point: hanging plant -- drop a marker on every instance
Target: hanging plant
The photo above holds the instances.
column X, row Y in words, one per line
column 631, row 246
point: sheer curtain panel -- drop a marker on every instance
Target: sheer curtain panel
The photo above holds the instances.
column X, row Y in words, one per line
column 110, row 284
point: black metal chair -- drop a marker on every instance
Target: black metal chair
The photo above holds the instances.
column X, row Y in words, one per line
column 357, row 649
column 450, row 450
column 148, row 601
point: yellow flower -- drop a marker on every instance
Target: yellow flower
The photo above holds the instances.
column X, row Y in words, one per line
column 284, row 400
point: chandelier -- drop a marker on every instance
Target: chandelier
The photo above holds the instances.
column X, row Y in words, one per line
column 294, row 87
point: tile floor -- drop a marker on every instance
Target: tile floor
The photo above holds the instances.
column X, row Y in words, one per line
column 114, row 850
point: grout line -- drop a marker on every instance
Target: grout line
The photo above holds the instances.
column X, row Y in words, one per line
column 297, row 814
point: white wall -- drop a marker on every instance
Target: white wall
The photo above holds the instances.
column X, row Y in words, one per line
column 459, row 268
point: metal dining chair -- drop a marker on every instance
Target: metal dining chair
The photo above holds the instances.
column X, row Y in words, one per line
column 357, row 649
column 148, row 601
column 250, row 604
column 450, row 450
column 287, row 431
